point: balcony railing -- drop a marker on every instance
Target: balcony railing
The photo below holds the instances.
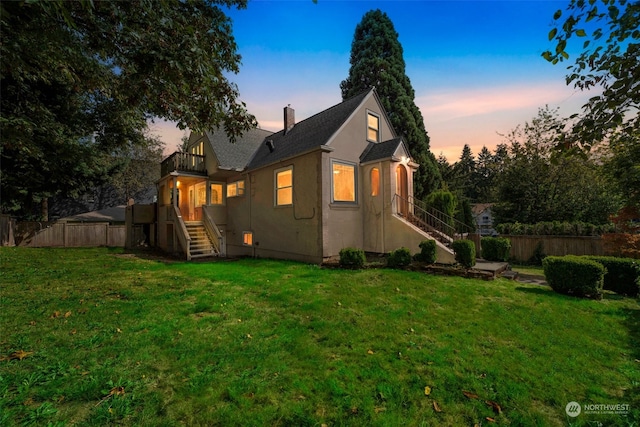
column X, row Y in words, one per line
column 183, row 162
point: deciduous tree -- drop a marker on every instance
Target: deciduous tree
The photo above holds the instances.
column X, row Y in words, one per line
column 607, row 33
column 79, row 80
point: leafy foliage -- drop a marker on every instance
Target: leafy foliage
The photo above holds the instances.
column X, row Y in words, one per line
column 445, row 202
column 495, row 248
column 377, row 61
column 539, row 183
column 399, row 258
column 609, row 33
column 622, row 275
column 574, row 275
column 554, row 228
column 428, row 252
column 79, row 81
column 465, row 252
column 352, row 258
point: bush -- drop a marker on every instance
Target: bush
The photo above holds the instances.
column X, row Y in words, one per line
column 495, row 248
column 555, row 228
column 465, row 252
column 574, row 275
column 401, row 257
column 428, row 252
column 622, row 276
column 352, row 258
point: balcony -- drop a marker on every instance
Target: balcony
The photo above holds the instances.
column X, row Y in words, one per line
column 183, row 163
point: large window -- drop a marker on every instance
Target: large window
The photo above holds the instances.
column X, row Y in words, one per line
column 235, row 189
column 284, row 186
column 373, row 127
column 344, row 182
column 216, row 193
column 247, row 238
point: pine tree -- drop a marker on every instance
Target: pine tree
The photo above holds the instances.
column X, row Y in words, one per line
column 377, row 61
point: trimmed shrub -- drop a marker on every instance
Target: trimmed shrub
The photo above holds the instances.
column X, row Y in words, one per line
column 352, row 258
column 574, row 275
column 622, row 276
column 428, row 252
column 495, row 248
column 401, row 257
column 465, row 251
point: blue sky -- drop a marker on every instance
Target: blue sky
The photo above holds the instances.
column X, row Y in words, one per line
column 475, row 66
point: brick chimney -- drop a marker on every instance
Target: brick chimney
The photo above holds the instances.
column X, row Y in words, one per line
column 289, row 118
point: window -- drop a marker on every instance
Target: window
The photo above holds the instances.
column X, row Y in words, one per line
column 201, row 194
column 375, row 181
column 284, row 186
column 373, row 127
column 216, row 194
column 247, row 238
column 235, row 189
column 344, row 182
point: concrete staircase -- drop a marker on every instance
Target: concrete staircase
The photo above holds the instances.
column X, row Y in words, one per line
column 201, row 245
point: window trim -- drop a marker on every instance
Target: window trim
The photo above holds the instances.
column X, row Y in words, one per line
column 377, row 116
column 239, row 189
column 223, row 193
column 355, row 183
column 276, row 188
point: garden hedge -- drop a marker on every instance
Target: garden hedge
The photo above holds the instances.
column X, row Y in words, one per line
column 574, row 275
column 495, row 248
column 622, row 275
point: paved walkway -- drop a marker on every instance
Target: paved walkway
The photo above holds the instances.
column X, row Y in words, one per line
column 500, row 269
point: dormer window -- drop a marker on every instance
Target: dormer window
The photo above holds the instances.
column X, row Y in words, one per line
column 373, row 127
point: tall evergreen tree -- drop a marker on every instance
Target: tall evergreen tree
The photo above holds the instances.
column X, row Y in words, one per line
column 377, row 60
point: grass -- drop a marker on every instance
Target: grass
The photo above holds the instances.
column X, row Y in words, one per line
column 533, row 270
column 100, row 337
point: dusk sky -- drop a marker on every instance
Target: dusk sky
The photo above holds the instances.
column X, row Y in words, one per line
column 475, row 66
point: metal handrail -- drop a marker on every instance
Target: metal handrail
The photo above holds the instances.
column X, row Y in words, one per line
column 460, row 227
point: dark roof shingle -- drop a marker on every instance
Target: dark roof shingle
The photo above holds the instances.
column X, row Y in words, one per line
column 307, row 134
column 236, row 156
column 380, row 150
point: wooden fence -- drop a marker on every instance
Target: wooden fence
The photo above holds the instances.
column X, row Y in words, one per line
column 523, row 247
column 75, row 235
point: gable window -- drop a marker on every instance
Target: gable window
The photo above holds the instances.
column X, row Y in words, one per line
column 284, row 186
column 373, row 127
column 216, row 193
column 375, row 181
column 235, row 189
column 343, row 182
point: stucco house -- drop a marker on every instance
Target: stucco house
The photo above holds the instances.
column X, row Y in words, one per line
column 341, row 178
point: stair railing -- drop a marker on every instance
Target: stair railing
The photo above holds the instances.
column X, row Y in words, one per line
column 181, row 231
column 461, row 230
column 212, row 230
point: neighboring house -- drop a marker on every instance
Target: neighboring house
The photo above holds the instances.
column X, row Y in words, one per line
column 484, row 219
column 341, row 178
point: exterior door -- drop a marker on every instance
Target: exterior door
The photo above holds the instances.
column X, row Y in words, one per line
column 402, row 190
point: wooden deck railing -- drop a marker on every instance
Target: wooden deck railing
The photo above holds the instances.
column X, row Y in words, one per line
column 183, row 162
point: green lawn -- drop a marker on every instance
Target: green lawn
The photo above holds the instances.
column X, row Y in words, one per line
column 98, row 336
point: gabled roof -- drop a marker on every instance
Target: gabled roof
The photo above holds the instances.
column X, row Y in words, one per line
column 235, row 156
column 382, row 150
column 112, row 214
column 308, row 134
